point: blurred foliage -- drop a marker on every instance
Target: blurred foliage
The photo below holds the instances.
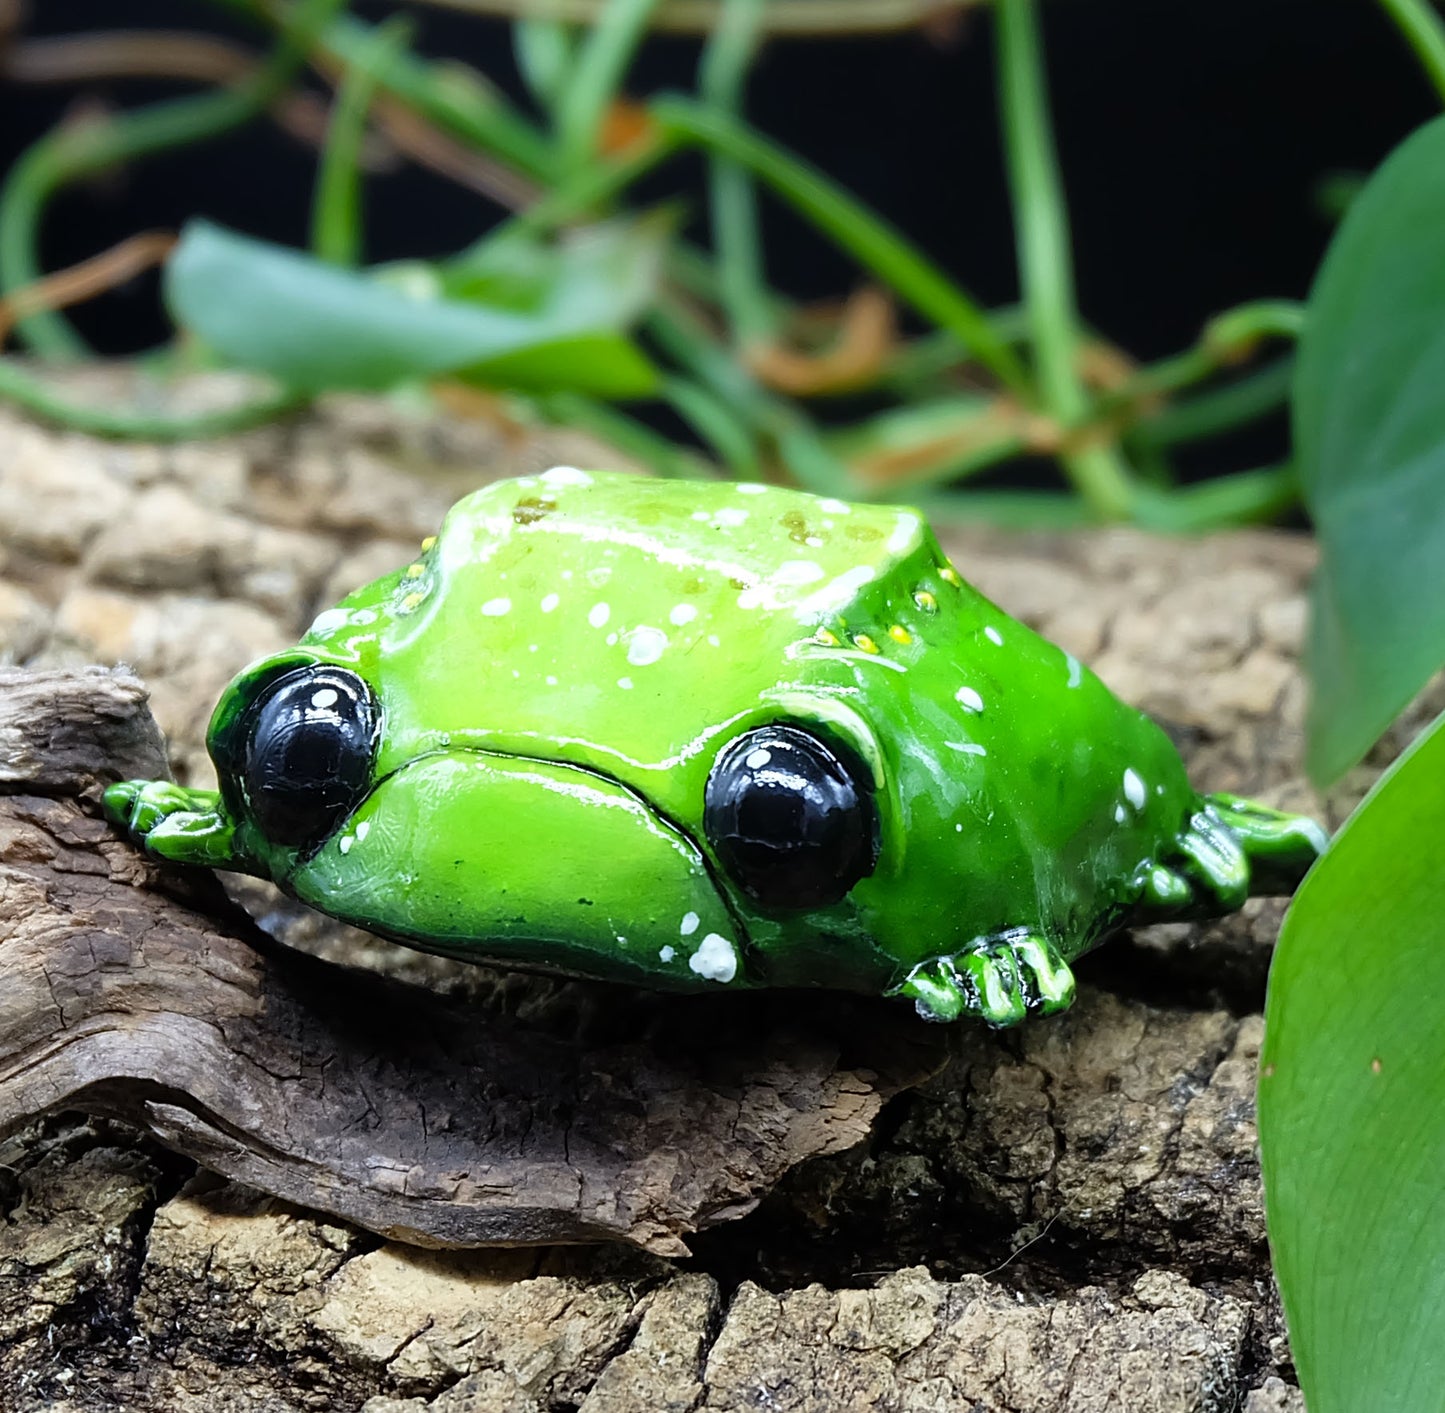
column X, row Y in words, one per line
column 766, row 388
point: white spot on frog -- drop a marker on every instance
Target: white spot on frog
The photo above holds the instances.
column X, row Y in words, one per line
column 551, row 681
column 690, row 923
column 599, row 614
column 550, row 602
column 904, row 529
column 611, row 639
column 968, row 748
column 362, row 618
column 715, row 959
column 345, row 843
column 682, row 615
column 751, row 488
column 1076, row 670
column 1134, row 788
column 324, row 697
column 667, row 954
column 1120, row 814
column 625, row 683
column 714, row 640
column 566, row 476
column 993, row 635
column 363, row 829
column 329, row 621
column 645, row 645
column 599, row 576
column 701, row 515
column 495, row 608
column 730, row 517
column 969, row 699
column 837, row 593
column 835, row 507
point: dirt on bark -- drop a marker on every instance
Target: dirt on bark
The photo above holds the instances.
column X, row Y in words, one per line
column 1063, row 1218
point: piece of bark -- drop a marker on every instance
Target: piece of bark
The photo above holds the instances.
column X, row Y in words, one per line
column 412, row 1116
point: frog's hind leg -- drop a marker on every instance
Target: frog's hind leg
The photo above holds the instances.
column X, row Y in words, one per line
column 998, row 980
column 1231, row 848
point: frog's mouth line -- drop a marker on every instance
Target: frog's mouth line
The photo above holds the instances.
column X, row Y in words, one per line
column 714, row 876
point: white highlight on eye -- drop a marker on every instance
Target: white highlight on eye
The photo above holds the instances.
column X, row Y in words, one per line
column 715, row 959
column 363, row 829
column 566, row 476
column 323, row 697
column 1134, row 788
column 968, row 748
column 730, row 516
column 690, row 923
column 495, row 608
column 682, row 615
column 758, row 759
column 1076, row 670
column 550, row 602
column 968, row 698
column 645, row 645
column 993, row 635
column 599, row 614
column 750, row 488
column 625, row 683
column 667, row 954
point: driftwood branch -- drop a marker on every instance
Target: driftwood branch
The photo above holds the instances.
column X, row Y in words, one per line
column 129, row 992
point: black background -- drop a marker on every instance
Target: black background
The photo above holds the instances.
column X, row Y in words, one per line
column 1195, row 140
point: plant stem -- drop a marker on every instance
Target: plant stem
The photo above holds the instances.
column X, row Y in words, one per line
column 595, row 79
column 872, row 241
column 731, row 194
column 1221, row 409
column 1424, row 31
column 25, row 390
column 1045, row 262
column 1244, row 498
column 69, row 153
column 336, row 222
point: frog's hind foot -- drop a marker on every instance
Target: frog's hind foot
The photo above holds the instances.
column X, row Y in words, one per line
column 172, row 822
column 999, row 980
column 1232, row 848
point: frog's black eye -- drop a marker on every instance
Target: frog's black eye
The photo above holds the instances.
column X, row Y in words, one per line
column 308, row 753
column 790, row 817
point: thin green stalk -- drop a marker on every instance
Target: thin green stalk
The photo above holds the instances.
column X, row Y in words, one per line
column 25, row 390
column 1247, row 497
column 873, row 242
column 596, row 78
column 71, row 153
column 545, row 51
column 336, row 222
column 1045, row 261
column 732, row 197
column 1221, row 409
column 716, row 423
column 1424, row 31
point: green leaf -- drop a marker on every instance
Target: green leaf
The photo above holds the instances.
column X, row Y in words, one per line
column 1352, row 1104
column 314, row 326
column 1369, row 423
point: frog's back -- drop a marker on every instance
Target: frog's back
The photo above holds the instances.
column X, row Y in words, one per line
column 616, row 621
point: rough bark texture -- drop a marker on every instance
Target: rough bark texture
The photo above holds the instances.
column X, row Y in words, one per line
column 1066, row 1218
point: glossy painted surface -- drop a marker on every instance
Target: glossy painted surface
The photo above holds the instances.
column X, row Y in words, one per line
column 552, row 683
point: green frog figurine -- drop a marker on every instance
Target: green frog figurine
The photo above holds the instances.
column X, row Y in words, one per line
column 703, row 737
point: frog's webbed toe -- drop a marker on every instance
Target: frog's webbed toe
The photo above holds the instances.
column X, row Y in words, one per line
column 1230, row 849
column 172, row 822
column 999, row 980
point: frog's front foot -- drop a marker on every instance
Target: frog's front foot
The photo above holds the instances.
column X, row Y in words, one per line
column 999, row 980
column 172, row 822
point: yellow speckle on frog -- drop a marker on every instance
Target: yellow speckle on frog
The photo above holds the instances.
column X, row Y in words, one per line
column 950, row 576
column 863, row 641
column 827, row 637
column 428, row 543
column 900, row 634
column 415, row 571
column 412, row 602
column 925, row 601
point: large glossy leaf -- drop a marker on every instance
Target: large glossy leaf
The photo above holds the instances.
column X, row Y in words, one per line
column 1369, row 420
column 315, row 326
column 1352, row 1104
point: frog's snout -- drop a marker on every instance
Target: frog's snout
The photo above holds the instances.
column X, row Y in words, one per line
column 539, row 860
